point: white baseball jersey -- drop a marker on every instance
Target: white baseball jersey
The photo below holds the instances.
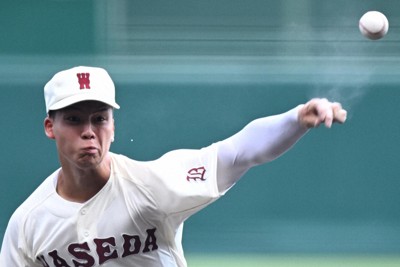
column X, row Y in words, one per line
column 135, row 220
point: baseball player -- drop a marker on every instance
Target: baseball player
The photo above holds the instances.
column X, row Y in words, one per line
column 104, row 209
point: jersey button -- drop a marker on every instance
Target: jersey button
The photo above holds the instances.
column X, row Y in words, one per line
column 83, row 212
column 86, row 233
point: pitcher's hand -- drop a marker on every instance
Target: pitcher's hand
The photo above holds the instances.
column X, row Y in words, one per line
column 320, row 110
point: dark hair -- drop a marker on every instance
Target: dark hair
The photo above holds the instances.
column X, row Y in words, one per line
column 51, row 114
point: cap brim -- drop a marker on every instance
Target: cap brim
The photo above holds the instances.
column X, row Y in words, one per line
column 80, row 98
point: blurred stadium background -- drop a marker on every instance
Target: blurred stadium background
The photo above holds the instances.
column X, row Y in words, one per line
column 190, row 73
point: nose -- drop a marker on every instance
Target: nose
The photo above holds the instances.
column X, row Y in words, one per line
column 87, row 132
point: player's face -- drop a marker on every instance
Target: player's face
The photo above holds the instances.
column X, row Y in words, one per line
column 83, row 133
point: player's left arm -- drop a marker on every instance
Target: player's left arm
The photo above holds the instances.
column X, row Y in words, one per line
column 267, row 138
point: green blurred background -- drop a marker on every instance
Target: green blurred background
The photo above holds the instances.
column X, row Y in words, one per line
column 190, row 73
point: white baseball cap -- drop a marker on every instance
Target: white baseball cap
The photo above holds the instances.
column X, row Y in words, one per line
column 79, row 84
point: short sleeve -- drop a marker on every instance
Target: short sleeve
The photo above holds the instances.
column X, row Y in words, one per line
column 184, row 181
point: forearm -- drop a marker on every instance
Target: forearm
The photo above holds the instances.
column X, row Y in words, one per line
column 261, row 141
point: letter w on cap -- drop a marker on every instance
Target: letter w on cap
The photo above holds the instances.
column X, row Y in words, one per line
column 83, row 79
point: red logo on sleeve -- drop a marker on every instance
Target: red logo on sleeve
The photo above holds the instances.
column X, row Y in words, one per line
column 196, row 174
column 83, row 79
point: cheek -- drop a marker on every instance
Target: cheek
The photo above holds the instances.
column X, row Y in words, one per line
column 107, row 136
column 66, row 139
column 64, row 142
column 64, row 134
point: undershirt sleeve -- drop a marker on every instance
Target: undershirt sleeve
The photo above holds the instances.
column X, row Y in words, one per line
column 261, row 141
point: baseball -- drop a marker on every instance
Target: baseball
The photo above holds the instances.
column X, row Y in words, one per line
column 374, row 25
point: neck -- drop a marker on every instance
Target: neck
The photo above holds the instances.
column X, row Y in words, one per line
column 80, row 185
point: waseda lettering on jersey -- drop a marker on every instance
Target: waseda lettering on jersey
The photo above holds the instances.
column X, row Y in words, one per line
column 83, row 79
column 196, row 174
column 106, row 249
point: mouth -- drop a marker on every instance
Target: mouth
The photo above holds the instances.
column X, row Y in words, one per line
column 90, row 150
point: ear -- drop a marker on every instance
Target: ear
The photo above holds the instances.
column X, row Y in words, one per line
column 113, row 134
column 48, row 127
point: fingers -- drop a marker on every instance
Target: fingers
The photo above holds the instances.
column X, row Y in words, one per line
column 339, row 114
column 308, row 114
column 318, row 111
column 325, row 112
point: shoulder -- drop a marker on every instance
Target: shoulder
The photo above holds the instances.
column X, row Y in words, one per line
column 170, row 162
column 36, row 199
column 46, row 189
column 187, row 177
column 15, row 233
column 189, row 156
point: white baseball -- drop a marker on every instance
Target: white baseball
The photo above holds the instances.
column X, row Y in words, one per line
column 373, row 25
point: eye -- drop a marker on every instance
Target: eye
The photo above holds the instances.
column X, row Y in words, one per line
column 72, row 119
column 100, row 118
